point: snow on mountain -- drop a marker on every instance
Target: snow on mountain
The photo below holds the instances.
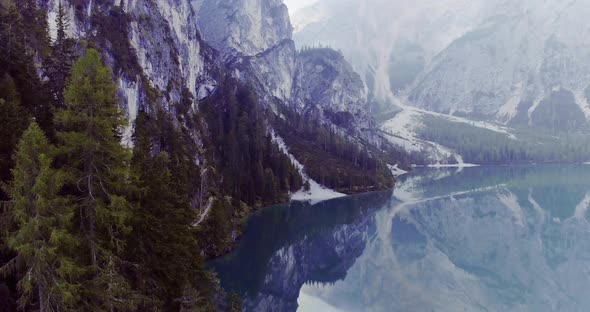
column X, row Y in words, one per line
column 404, row 130
column 316, row 192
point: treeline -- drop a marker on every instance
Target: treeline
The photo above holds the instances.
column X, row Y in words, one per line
column 482, row 146
column 331, row 159
column 251, row 168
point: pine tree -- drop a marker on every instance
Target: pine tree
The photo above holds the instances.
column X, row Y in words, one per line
column 59, row 64
column 89, row 131
column 42, row 218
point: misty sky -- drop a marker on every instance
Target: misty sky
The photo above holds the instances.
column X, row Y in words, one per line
column 295, row 5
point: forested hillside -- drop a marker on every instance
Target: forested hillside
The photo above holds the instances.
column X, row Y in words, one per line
column 483, row 146
column 109, row 209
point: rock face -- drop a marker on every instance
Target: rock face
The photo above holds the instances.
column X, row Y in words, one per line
column 495, row 60
column 178, row 45
column 246, row 27
column 151, row 45
column 325, row 81
column 254, row 37
column 387, row 41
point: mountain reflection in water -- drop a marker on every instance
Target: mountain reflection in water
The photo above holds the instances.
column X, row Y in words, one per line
column 476, row 239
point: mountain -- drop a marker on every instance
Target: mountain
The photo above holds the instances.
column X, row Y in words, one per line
column 224, row 116
column 221, row 86
column 524, row 66
column 516, row 65
column 166, row 50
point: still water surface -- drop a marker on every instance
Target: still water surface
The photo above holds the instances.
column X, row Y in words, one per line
column 476, row 239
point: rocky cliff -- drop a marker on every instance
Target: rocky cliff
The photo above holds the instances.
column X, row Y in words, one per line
column 173, row 55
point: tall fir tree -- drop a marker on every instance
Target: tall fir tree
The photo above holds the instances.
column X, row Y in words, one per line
column 41, row 241
column 59, row 64
column 89, row 131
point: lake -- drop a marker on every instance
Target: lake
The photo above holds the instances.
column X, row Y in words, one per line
column 506, row 238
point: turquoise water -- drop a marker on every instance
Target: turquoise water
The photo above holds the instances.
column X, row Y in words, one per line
column 476, row 239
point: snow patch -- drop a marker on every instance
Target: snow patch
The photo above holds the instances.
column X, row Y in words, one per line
column 317, row 193
column 205, row 90
column 402, row 130
column 396, row 170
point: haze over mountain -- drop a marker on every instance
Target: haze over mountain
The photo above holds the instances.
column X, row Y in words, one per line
column 504, row 61
column 513, row 65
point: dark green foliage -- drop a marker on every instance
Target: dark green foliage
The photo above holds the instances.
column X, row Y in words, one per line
column 216, row 231
column 251, row 169
column 97, row 167
column 22, row 96
column 162, row 245
column 41, row 241
column 122, row 230
column 255, row 171
column 559, row 113
column 35, row 19
column 482, row 146
column 235, row 303
column 13, row 121
column 331, row 159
